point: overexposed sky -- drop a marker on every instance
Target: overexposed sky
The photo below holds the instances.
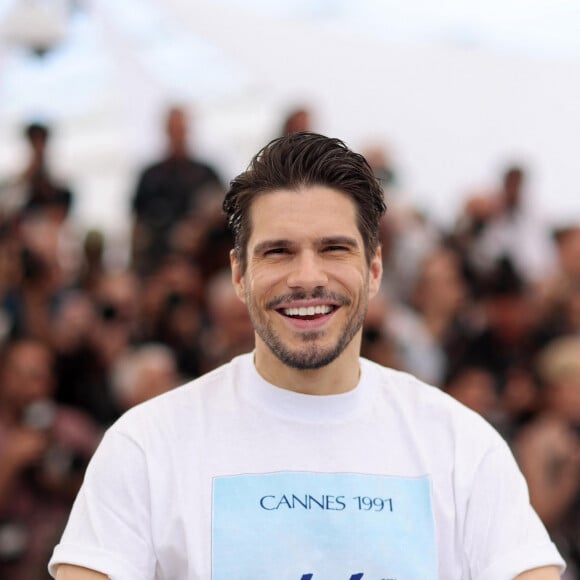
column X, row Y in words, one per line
column 454, row 89
column 167, row 50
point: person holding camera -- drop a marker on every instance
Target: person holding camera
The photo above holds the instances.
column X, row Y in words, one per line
column 44, row 449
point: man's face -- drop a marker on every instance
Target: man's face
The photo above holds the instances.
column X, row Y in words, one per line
column 307, row 283
column 27, row 375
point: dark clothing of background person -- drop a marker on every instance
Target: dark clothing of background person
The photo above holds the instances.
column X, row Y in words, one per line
column 167, row 192
column 43, row 194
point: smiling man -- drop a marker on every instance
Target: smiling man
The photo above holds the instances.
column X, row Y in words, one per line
column 306, row 285
column 301, row 460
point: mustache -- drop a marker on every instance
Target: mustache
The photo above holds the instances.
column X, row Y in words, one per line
column 317, row 294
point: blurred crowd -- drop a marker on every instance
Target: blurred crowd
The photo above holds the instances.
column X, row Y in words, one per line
column 487, row 309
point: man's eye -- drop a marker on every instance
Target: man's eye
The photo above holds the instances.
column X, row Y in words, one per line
column 275, row 251
column 336, row 249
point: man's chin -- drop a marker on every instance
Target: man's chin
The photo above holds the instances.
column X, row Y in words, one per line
column 306, row 359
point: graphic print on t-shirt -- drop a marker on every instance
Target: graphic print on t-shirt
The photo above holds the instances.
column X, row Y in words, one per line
column 322, row 526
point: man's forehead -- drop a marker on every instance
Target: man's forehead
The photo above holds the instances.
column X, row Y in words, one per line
column 283, row 204
column 291, row 216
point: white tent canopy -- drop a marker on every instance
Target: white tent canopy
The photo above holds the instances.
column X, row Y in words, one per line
column 453, row 93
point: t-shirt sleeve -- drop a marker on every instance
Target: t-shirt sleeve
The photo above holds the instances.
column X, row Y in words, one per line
column 109, row 527
column 503, row 535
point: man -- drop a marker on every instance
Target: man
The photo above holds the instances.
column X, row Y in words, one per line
column 302, row 461
column 168, row 192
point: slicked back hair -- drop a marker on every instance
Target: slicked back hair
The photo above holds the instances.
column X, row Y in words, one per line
column 304, row 160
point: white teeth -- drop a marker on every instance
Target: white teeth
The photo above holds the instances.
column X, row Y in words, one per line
column 308, row 310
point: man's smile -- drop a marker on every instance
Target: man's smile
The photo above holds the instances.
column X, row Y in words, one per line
column 307, row 311
column 308, row 317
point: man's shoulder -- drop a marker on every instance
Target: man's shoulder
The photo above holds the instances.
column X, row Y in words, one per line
column 169, row 163
column 428, row 403
column 400, row 382
column 215, row 384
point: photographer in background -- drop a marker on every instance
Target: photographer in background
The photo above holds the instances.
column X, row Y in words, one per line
column 44, row 449
column 35, row 191
column 548, row 447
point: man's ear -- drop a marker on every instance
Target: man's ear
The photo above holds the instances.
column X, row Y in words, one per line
column 375, row 272
column 237, row 275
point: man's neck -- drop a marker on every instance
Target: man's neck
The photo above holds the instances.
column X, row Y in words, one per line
column 340, row 376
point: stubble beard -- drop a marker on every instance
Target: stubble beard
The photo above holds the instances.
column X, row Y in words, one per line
column 312, row 355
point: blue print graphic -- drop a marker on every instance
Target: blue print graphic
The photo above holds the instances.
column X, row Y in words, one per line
column 320, row 526
column 353, row 577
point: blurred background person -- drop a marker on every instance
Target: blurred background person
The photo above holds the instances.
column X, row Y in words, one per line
column 382, row 164
column 503, row 224
column 90, row 330
column 475, row 387
column 36, row 191
column 228, row 329
column 168, row 192
column 558, row 366
column 559, row 291
column 440, row 300
column 510, row 337
column 44, row 449
column 142, row 373
column 38, row 278
column 429, row 322
column 296, row 120
column 91, row 265
column 172, row 311
column 548, row 447
column 81, row 369
column 377, row 343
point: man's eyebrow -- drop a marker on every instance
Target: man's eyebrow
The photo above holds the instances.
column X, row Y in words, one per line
column 340, row 241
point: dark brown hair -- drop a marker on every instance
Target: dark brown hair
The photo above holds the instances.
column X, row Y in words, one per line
column 302, row 160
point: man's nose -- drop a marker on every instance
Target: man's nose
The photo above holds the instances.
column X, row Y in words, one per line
column 307, row 271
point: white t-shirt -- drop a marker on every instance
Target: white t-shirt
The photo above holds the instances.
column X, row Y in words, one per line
column 230, row 477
